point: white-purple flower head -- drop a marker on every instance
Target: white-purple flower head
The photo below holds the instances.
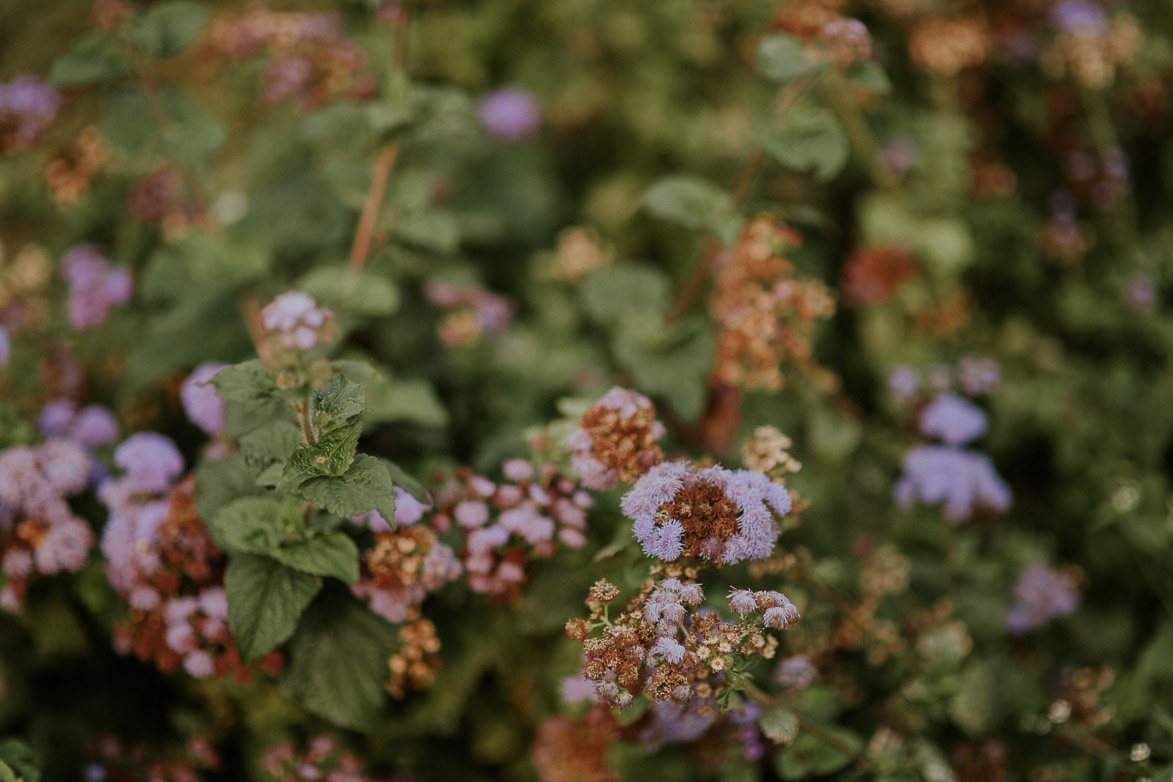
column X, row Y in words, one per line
column 616, row 439
column 978, row 375
column 1078, row 17
column 1040, row 595
column 297, row 321
column 723, row 516
column 953, row 420
column 903, row 383
column 510, row 114
column 961, row 481
column 95, row 286
column 203, row 405
column 151, row 461
column 30, row 104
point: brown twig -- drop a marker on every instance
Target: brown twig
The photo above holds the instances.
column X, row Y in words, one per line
column 366, row 224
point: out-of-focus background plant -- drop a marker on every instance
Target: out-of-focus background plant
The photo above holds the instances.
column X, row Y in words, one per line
column 532, row 389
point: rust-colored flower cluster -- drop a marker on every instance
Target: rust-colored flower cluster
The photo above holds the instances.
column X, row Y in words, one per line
column 311, row 59
column 947, row 46
column 69, row 173
column 178, row 610
column 160, row 198
column 659, row 645
column 575, row 750
column 767, row 452
column 414, row 666
column 616, row 440
column 871, row 274
column 580, row 251
column 764, row 311
column 470, row 313
column 1091, row 51
column 403, row 566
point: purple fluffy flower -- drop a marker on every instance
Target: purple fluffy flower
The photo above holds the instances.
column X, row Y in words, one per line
column 510, row 114
column 95, row 286
column 1040, row 595
column 978, row 375
column 297, row 322
column 741, row 602
column 903, row 383
column 795, row 673
column 961, row 480
column 202, row 404
column 1079, row 17
column 151, row 461
column 30, row 104
column 953, row 420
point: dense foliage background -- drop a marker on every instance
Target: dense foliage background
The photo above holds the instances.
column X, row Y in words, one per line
column 926, row 241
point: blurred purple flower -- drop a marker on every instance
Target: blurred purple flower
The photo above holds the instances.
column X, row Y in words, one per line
column 1040, row 595
column 953, row 420
column 1141, row 292
column 1079, row 16
column 510, row 114
column 961, row 480
column 95, row 286
column 30, row 103
column 203, row 406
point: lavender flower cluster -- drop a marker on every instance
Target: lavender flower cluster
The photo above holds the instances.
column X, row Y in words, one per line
column 91, row 427
column 776, row 609
column 296, row 322
column 39, row 534
column 1040, row 595
column 28, row 105
column 472, row 312
column 510, row 114
column 960, row 480
column 95, row 286
column 719, row 515
column 203, row 405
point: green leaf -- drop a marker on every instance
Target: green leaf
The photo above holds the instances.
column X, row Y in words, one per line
column 331, row 455
column 411, row 399
column 435, row 231
column 333, row 554
column 268, row 447
column 221, row 482
column 691, row 202
column 669, row 361
column 809, row 755
column 612, row 295
column 808, row 138
column 250, row 384
column 973, row 706
column 265, row 601
column 783, row 58
column 166, row 29
column 256, row 525
column 19, row 761
column 869, row 76
column 361, row 294
column 406, row 481
column 205, row 262
column 94, row 57
column 338, row 661
column 779, row 725
column 338, row 402
column 367, row 485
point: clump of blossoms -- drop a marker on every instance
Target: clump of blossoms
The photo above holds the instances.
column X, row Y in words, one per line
column 960, row 480
column 510, row 114
column 846, row 41
column 765, row 313
column 294, row 323
column 580, row 250
column 159, row 198
column 27, row 106
column 69, row 173
column 311, row 59
column 566, row 748
column 1040, row 595
column 201, row 403
column 91, row 427
column 472, row 312
column 160, row 560
column 39, row 534
column 1089, row 48
column 323, row 759
column 616, row 440
column 662, row 646
column 718, row 515
column 95, row 286
column 506, row 525
column 113, row 761
column 416, row 661
column 871, row 274
column 947, row 46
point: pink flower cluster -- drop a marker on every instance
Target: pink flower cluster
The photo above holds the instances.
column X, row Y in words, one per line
column 322, row 761
column 38, row 532
column 296, row 322
column 472, row 312
column 95, row 286
column 505, row 525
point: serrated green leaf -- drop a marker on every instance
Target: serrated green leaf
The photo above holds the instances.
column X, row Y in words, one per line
column 340, row 400
column 265, row 601
column 779, row 725
column 93, row 58
column 338, row 661
column 672, row 362
column 783, row 58
column 267, row 448
column 331, row 455
column 367, row 485
column 808, row 138
column 166, row 29
column 333, row 554
column 221, row 482
column 256, row 525
column 250, row 384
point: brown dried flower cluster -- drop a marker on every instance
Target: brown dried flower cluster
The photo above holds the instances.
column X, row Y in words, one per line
column 24, row 279
column 579, row 252
column 616, row 440
column 946, row 46
column 765, row 313
column 575, row 750
column 414, row 666
column 647, row 649
column 871, row 274
column 767, row 452
column 1091, row 57
column 69, row 173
